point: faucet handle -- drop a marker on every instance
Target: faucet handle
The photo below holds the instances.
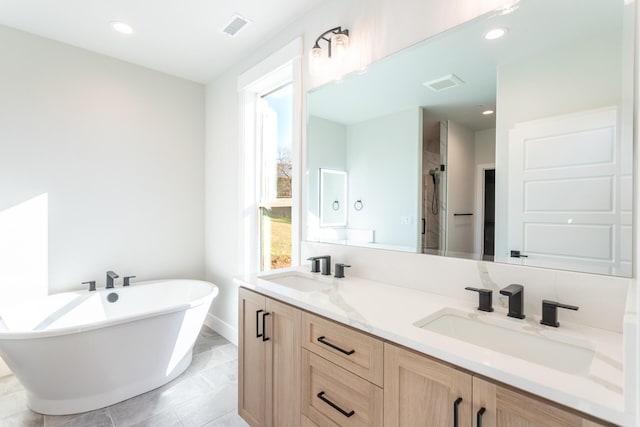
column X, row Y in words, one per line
column 126, row 280
column 550, row 312
column 315, row 264
column 340, row 270
column 92, row 285
column 485, row 298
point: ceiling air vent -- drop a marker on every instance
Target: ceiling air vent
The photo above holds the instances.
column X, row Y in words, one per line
column 235, row 25
column 443, row 83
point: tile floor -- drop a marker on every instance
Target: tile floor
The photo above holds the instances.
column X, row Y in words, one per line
column 204, row 395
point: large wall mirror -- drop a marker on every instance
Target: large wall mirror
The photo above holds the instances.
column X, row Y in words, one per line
column 509, row 138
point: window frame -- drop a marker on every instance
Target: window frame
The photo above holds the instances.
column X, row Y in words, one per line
column 282, row 67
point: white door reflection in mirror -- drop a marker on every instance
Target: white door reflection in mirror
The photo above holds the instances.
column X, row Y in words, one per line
column 564, row 175
column 333, row 198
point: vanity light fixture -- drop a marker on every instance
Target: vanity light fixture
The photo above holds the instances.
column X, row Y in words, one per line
column 122, row 27
column 488, row 112
column 337, row 43
column 495, row 33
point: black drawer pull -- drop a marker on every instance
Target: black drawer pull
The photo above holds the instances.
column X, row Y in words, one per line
column 334, row 406
column 258, row 334
column 335, row 347
column 455, row 411
column 264, row 331
column 480, row 414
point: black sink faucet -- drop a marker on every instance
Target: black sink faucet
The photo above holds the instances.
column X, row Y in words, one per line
column 485, row 298
column 110, row 278
column 325, row 262
column 550, row 312
column 516, row 298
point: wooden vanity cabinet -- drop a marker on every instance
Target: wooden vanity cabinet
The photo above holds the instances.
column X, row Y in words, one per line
column 342, row 375
column 297, row 369
column 421, row 391
column 268, row 361
column 508, row 407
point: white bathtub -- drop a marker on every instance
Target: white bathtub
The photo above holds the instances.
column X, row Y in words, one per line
column 76, row 351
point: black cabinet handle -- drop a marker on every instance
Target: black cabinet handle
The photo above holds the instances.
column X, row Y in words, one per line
column 480, row 414
column 462, row 214
column 334, row 406
column 335, row 347
column 264, row 331
column 258, row 334
column 455, row 411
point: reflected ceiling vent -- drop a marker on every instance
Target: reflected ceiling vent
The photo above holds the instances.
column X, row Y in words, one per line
column 443, row 83
column 234, row 26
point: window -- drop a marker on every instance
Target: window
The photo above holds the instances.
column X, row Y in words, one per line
column 275, row 166
column 270, row 95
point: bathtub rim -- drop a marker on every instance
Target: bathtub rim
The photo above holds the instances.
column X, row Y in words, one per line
column 69, row 330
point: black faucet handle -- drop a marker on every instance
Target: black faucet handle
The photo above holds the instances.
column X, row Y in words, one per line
column 92, row 285
column 550, row 312
column 485, row 302
column 340, row 270
column 126, row 280
column 315, row 264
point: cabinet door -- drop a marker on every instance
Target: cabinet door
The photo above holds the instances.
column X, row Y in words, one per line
column 283, row 365
column 419, row 391
column 506, row 407
column 251, row 358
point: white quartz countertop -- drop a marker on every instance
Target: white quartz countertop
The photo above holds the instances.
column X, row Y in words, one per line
column 390, row 312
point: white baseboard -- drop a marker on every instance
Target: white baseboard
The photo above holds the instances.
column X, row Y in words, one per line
column 222, row 327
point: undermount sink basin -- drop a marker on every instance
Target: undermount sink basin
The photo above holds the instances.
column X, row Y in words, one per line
column 523, row 340
column 297, row 281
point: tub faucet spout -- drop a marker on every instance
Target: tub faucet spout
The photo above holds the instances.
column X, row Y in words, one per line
column 110, row 277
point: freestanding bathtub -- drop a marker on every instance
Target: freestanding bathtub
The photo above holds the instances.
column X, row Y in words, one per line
column 77, row 351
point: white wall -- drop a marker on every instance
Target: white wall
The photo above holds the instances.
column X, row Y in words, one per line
column 383, row 160
column 460, row 173
column 377, row 29
column 485, row 146
column 118, row 151
column 326, row 148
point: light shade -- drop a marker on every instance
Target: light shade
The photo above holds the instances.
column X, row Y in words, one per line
column 316, row 59
column 339, row 45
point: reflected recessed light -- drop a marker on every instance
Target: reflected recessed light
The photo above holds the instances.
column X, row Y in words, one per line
column 488, row 112
column 495, row 33
column 122, row 27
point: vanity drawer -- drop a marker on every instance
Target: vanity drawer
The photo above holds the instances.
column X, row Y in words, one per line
column 353, row 350
column 332, row 396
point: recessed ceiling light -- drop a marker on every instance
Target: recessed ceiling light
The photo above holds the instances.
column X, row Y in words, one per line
column 488, row 112
column 122, row 27
column 495, row 33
